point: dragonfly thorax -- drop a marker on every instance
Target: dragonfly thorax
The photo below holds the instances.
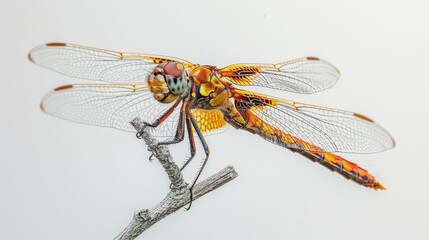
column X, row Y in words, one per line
column 168, row 81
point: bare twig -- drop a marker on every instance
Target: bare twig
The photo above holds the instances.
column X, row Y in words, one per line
column 178, row 196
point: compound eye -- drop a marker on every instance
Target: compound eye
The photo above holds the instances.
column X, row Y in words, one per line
column 177, row 86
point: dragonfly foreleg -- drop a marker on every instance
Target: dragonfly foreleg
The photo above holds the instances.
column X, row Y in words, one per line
column 160, row 119
column 180, row 131
column 164, row 116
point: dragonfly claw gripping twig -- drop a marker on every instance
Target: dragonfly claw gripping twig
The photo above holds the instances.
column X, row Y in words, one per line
column 178, row 196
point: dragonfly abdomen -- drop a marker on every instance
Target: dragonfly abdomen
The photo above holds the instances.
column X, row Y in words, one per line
column 346, row 168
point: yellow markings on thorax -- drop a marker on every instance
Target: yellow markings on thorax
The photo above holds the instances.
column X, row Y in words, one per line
column 201, row 75
column 220, row 99
column 210, row 87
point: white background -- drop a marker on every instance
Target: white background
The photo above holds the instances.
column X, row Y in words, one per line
column 61, row 180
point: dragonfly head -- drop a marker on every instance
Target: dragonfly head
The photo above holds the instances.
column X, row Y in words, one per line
column 168, row 81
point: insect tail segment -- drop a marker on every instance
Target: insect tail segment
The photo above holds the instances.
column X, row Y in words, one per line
column 346, row 168
column 333, row 162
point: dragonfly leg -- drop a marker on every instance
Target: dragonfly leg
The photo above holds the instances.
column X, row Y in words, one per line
column 206, row 150
column 162, row 118
column 180, row 132
column 191, row 141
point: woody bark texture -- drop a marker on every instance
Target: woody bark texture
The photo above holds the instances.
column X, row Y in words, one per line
column 178, row 196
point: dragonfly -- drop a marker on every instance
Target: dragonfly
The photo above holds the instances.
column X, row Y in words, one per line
column 178, row 99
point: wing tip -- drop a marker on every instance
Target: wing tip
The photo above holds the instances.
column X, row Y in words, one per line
column 30, row 58
column 31, row 52
column 42, row 106
column 337, row 71
column 51, row 44
column 393, row 142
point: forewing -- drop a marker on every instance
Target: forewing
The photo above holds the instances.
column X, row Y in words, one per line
column 97, row 64
column 109, row 105
column 303, row 75
column 332, row 130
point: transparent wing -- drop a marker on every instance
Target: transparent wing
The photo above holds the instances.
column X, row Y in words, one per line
column 303, row 75
column 97, row 64
column 331, row 130
column 109, row 105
